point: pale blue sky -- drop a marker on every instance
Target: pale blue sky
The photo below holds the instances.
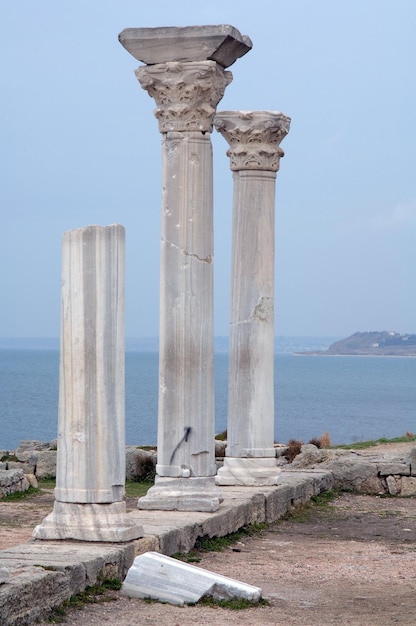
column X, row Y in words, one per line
column 80, row 145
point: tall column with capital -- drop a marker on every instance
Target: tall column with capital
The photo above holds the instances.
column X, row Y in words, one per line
column 254, row 138
column 184, row 73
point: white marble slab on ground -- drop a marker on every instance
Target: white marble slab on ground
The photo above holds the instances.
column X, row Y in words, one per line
column 163, row 578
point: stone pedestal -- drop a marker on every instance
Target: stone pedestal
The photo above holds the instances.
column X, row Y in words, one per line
column 254, row 139
column 185, row 75
column 90, row 474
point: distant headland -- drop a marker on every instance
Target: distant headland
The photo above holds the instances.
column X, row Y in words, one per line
column 384, row 343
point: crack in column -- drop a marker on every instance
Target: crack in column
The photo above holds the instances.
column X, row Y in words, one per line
column 207, row 259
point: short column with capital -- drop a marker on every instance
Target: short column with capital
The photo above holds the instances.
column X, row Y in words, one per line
column 184, row 73
column 254, row 138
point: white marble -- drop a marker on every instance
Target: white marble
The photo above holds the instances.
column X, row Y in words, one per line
column 89, row 522
column 182, row 494
column 162, row 578
column 90, row 469
column 187, row 86
column 221, row 43
column 254, row 138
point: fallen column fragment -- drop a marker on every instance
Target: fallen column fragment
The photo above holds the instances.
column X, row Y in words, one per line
column 163, row 578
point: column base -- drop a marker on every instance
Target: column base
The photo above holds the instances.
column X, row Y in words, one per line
column 88, row 522
column 257, row 472
column 182, row 494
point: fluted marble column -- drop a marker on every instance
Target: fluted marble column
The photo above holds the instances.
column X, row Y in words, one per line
column 187, row 88
column 254, row 138
column 91, row 471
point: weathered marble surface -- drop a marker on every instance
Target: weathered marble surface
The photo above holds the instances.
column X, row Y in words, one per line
column 185, row 75
column 89, row 522
column 162, row 578
column 90, row 469
column 257, row 472
column 254, row 138
column 182, row 494
column 223, row 44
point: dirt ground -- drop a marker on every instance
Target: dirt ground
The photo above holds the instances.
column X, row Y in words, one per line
column 351, row 562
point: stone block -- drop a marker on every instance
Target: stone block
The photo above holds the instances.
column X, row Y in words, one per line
column 372, row 484
column 31, row 479
column 27, row 456
column 223, row 44
column 393, row 467
column 140, row 463
column 162, row 578
column 393, row 485
column 27, row 468
column 309, row 455
column 149, row 543
column 351, row 472
column 278, row 502
column 46, row 465
column 220, row 448
column 408, row 486
column 23, row 599
column 12, row 481
column 413, row 461
column 31, row 444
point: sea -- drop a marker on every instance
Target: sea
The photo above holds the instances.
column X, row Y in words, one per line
column 351, row 398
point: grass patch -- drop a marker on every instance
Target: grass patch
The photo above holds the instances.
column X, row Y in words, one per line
column 320, row 503
column 20, row 495
column 137, row 489
column 134, row 489
column 217, row 544
column 359, row 445
column 47, row 483
column 234, row 604
column 9, row 457
column 96, row 593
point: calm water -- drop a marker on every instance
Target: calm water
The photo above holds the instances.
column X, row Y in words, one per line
column 353, row 398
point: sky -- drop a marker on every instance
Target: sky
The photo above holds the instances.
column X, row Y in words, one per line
column 79, row 145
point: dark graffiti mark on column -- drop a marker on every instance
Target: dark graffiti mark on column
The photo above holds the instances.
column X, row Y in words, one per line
column 187, row 430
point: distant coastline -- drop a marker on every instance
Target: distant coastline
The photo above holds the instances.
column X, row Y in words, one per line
column 282, row 344
column 372, row 343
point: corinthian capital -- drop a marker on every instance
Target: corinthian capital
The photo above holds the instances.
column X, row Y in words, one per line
column 186, row 94
column 254, row 138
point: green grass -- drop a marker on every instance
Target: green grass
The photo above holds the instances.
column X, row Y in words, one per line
column 135, row 489
column 217, row 544
column 20, row 495
column 359, row 445
column 320, row 503
column 47, row 483
column 96, row 593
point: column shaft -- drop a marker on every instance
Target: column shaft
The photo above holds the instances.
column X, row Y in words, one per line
column 254, row 138
column 186, row 367
column 91, row 437
column 251, row 356
column 90, row 472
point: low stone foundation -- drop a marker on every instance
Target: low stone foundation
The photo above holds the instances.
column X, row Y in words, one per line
column 367, row 472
